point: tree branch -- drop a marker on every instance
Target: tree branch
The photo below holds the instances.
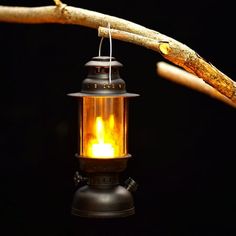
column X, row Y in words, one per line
column 186, row 79
column 121, row 29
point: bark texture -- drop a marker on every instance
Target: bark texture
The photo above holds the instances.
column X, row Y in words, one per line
column 121, row 29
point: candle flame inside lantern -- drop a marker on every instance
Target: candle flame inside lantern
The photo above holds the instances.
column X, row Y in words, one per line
column 103, row 145
column 103, row 127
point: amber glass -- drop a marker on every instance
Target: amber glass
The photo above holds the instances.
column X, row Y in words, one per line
column 103, row 127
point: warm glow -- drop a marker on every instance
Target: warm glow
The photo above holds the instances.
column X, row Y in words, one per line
column 103, row 144
column 103, row 127
column 102, row 150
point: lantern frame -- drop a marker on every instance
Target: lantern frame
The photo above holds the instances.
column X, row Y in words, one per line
column 102, row 196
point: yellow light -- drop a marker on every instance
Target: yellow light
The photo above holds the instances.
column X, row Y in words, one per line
column 102, row 150
column 102, row 145
column 103, row 127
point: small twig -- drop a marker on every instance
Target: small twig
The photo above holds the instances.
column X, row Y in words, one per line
column 156, row 45
column 57, row 2
column 184, row 78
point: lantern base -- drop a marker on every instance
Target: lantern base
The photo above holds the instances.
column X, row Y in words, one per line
column 103, row 202
column 103, row 196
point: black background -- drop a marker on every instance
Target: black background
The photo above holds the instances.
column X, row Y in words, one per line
column 182, row 142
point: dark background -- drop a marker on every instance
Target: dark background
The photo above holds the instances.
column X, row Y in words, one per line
column 182, row 142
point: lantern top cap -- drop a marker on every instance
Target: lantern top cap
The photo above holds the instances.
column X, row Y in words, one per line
column 103, row 61
column 97, row 82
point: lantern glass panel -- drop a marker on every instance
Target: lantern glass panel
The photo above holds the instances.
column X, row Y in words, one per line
column 103, row 127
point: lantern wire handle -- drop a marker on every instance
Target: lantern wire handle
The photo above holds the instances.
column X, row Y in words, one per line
column 100, row 47
column 110, row 40
column 110, row 49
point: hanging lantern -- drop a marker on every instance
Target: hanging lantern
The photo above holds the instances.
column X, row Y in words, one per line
column 103, row 151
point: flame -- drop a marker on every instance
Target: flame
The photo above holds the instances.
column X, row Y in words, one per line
column 103, row 144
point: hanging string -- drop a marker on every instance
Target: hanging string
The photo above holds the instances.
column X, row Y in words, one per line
column 100, row 47
column 110, row 49
column 110, row 52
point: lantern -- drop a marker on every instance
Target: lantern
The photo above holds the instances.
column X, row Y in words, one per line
column 103, row 151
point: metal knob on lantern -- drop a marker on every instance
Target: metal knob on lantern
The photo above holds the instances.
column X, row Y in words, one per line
column 103, row 154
